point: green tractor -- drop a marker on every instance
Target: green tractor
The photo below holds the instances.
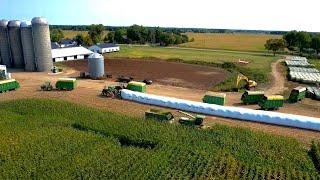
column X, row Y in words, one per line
column 112, row 91
column 46, row 86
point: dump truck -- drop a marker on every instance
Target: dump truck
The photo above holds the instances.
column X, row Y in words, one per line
column 192, row 121
column 137, row 86
column 252, row 97
column 297, row 94
column 66, row 84
column 160, row 115
column 214, row 98
column 8, row 85
column 271, row 102
column 244, row 81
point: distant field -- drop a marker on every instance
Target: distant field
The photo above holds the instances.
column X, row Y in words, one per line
column 226, row 41
column 71, row 34
column 46, row 139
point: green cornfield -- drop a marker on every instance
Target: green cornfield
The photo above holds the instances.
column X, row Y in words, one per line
column 49, row 139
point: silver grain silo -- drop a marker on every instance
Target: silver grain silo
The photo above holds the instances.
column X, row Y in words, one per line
column 96, row 65
column 15, row 44
column 4, row 43
column 27, row 46
column 42, row 44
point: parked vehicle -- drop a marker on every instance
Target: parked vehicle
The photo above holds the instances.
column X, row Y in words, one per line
column 271, row 102
column 297, row 94
column 137, row 86
column 160, row 115
column 214, row 98
column 66, row 84
column 8, row 85
column 252, row 97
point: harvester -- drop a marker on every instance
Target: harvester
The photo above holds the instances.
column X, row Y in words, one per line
column 248, row 84
column 192, row 120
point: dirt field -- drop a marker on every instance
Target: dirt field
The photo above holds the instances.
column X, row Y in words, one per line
column 162, row 72
column 88, row 93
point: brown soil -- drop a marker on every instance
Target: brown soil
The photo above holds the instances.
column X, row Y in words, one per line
column 159, row 71
column 88, row 93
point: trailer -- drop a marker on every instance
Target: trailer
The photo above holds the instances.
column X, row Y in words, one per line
column 160, row 115
column 214, row 98
column 271, row 102
column 297, row 94
column 137, row 86
column 66, row 84
column 8, row 85
column 252, row 97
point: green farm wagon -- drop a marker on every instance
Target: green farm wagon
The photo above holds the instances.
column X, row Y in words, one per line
column 66, row 84
column 214, row 98
column 8, row 85
column 252, row 97
column 137, row 86
column 271, row 102
column 297, row 94
column 160, row 115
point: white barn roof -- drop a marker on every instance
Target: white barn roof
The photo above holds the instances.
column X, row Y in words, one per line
column 70, row 51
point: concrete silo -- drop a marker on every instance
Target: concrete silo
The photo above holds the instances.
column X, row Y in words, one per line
column 15, row 44
column 27, row 46
column 96, row 65
column 42, row 44
column 4, row 43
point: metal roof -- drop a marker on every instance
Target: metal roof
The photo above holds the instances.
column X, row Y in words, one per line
column 25, row 24
column 39, row 20
column 3, row 23
column 95, row 56
column 106, row 45
column 14, row 23
column 70, row 51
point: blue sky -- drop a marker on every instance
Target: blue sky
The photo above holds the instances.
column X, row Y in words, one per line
column 230, row 14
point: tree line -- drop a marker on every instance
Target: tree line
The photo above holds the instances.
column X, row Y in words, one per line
column 134, row 34
column 296, row 41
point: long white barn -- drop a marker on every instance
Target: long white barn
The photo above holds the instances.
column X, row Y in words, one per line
column 70, row 53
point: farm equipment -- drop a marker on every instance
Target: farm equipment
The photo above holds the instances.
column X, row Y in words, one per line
column 271, row 102
column 46, row 86
column 3, row 73
column 214, row 98
column 192, row 120
column 8, row 85
column 66, row 84
column 252, row 97
column 84, row 75
column 147, row 81
column 137, row 86
column 245, row 82
column 112, row 91
column 297, row 94
column 124, row 79
column 160, row 115
column 313, row 93
column 55, row 69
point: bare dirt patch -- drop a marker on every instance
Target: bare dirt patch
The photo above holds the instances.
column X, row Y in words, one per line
column 162, row 72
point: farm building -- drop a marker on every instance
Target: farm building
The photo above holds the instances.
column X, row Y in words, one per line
column 70, row 53
column 55, row 45
column 68, row 43
column 104, row 48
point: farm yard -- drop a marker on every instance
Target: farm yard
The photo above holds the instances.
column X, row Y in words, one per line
column 162, row 72
column 229, row 41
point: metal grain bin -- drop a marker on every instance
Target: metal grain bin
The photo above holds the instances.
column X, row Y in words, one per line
column 42, row 44
column 15, row 43
column 96, row 66
column 214, row 98
column 27, row 46
column 4, row 43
